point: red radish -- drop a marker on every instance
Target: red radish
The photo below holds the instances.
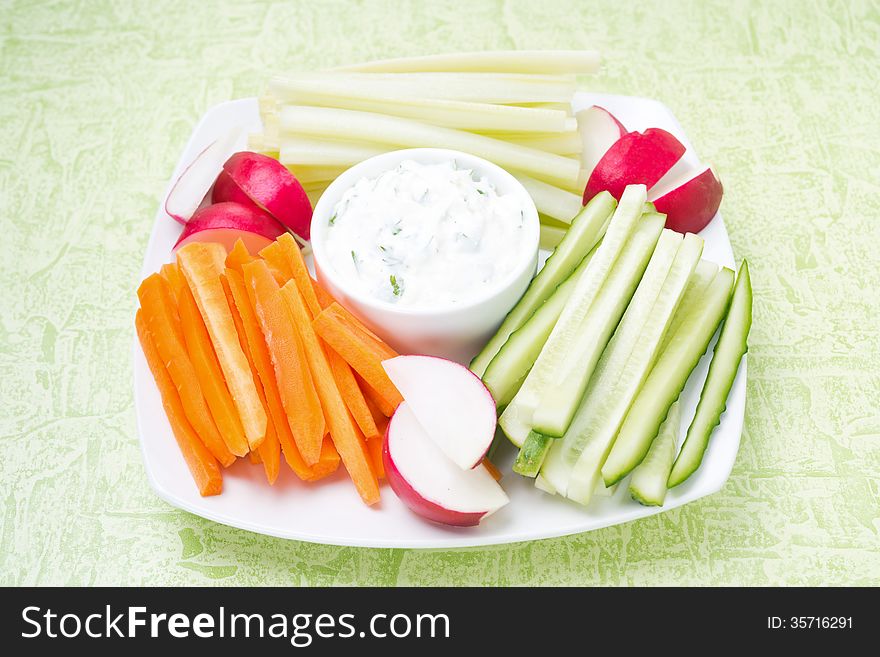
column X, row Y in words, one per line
column 690, row 201
column 637, row 158
column 271, row 186
column 450, row 402
column 225, row 190
column 428, row 482
column 599, row 129
column 224, row 223
column 193, row 184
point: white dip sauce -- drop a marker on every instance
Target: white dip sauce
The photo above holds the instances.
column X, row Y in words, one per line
column 425, row 235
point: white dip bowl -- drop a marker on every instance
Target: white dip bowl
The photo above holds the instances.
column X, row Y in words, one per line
column 452, row 331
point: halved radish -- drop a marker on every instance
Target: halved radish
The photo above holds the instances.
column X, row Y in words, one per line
column 224, row 223
column 271, row 186
column 194, row 183
column 450, row 401
column 689, row 200
column 599, row 129
column 225, row 190
column 429, row 483
column 637, row 158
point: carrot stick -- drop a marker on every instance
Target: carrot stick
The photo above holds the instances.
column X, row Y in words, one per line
column 325, row 299
column 263, row 362
column 495, row 472
column 210, row 378
column 360, row 350
column 171, row 273
column 346, row 436
column 202, row 263
column 202, row 465
column 295, row 379
column 328, row 463
column 374, row 447
column 292, row 255
column 276, row 259
column 374, row 399
column 268, row 452
column 351, row 394
column 163, row 322
column 239, row 256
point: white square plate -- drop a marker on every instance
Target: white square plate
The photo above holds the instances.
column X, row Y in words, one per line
column 331, row 511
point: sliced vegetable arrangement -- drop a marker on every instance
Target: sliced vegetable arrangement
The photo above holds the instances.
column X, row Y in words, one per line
column 253, row 358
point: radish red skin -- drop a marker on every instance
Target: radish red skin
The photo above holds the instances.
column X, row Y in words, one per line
column 690, row 207
column 418, row 504
column 225, row 190
column 637, row 158
column 271, row 186
column 232, row 217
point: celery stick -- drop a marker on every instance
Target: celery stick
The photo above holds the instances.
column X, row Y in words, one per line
column 585, row 232
column 564, row 143
column 503, row 88
column 499, row 61
column 518, row 418
column 325, row 152
column 589, row 466
column 551, row 201
column 308, row 174
column 463, row 115
column 551, row 236
column 591, row 422
column 352, row 125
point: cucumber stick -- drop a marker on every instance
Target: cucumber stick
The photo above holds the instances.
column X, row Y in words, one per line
column 589, row 416
column 666, row 380
column 517, row 418
column 585, row 232
column 531, row 455
column 586, row 472
column 700, row 279
column 512, row 363
column 732, row 345
column 648, row 482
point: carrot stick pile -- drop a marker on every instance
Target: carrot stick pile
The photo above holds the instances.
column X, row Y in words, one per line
column 254, row 359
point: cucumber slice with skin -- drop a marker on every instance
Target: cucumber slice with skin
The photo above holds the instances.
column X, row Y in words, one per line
column 531, row 455
column 648, row 482
column 732, row 345
column 512, row 363
column 699, row 281
column 542, row 484
column 586, row 472
column 587, row 228
column 666, row 380
column 601, row 391
column 517, row 418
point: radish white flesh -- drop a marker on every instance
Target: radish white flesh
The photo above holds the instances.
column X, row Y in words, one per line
column 598, row 129
column 688, row 200
column 196, row 180
column 450, row 402
column 429, row 483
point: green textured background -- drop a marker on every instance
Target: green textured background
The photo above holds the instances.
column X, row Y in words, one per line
column 96, row 102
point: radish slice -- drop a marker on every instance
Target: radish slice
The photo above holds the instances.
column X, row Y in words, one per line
column 450, row 401
column 599, row 129
column 689, row 200
column 225, row 223
column 637, row 158
column 225, row 190
column 429, row 483
column 271, row 186
column 193, row 185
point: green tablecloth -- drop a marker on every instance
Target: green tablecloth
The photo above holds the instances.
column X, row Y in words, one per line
column 96, row 102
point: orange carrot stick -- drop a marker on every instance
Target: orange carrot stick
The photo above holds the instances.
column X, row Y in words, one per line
column 328, row 463
column 239, row 256
column 374, row 400
column 351, row 394
column 374, row 447
column 295, row 379
column 263, row 362
column 201, row 463
column 210, row 378
column 269, row 451
column 346, row 436
column 171, row 273
column 323, row 296
column 163, row 322
column 360, row 350
column 292, row 255
column 495, row 472
column 202, row 263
